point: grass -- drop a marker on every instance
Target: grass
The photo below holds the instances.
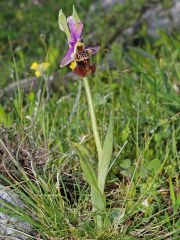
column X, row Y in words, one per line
column 36, row 154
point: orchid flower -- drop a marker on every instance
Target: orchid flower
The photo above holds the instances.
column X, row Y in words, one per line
column 78, row 55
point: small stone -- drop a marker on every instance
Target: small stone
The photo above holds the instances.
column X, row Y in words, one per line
column 10, row 227
column 155, row 22
column 175, row 13
column 106, row 4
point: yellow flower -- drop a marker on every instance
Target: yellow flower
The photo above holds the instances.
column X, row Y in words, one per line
column 34, row 66
column 38, row 74
column 40, row 68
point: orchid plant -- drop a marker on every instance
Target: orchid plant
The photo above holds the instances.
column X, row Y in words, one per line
column 78, row 58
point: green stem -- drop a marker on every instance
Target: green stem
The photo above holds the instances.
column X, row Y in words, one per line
column 95, row 200
column 93, row 118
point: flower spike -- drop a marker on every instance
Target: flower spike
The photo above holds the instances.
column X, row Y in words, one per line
column 78, row 56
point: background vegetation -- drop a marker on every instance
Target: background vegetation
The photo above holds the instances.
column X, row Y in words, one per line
column 37, row 127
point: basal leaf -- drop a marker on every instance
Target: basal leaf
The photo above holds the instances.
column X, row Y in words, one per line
column 86, row 165
column 98, row 198
column 105, row 159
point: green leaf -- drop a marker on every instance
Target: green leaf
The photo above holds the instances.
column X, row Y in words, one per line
column 125, row 133
column 117, row 214
column 62, row 21
column 86, row 165
column 154, row 164
column 4, row 117
column 98, row 199
column 105, row 159
column 125, row 164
